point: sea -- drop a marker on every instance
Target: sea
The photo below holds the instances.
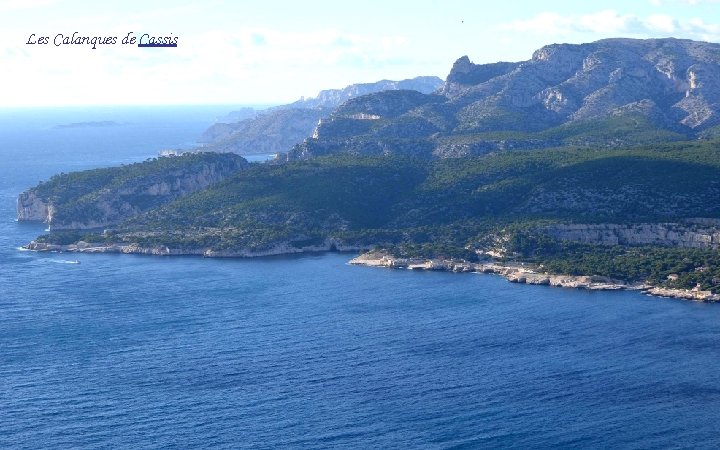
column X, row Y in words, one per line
column 128, row 351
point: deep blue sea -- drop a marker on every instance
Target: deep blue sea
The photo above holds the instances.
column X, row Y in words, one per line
column 127, row 352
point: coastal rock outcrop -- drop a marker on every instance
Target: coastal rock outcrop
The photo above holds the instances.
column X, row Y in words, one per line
column 104, row 197
column 30, row 207
column 528, row 274
column 281, row 248
column 664, row 234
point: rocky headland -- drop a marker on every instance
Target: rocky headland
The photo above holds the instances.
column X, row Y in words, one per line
column 103, row 197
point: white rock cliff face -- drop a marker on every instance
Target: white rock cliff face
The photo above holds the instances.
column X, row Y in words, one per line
column 577, row 82
column 32, row 208
column 664, row 234
column 111, row 206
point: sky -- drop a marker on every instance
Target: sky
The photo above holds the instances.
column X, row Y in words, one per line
column 272, row 52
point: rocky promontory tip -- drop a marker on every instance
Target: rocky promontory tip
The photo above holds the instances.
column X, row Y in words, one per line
column 100, row 198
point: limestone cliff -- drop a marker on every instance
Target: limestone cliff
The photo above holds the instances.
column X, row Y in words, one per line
column 686, row 235
column 104, row 197
column 567, row 82
column 30, row 207
column 609, row 93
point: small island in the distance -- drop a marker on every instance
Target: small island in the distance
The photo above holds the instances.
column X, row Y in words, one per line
column 593, row 166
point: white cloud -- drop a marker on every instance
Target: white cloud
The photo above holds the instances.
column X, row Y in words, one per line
column 697, row 28
column 206, row 67
column 17, row 5
column 699, row 2
column 661, row 22
column 684, row 2
column 544, row 23
column 606, row 21
column 609, row 23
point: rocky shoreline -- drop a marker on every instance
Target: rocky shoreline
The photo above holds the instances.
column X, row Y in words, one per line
column 283, row 248
column 519, row 273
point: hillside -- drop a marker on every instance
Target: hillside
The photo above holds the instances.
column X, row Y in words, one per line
column 510, row 203
column 279, row 128
column 332, row 98
column 103, row 197
column 610, row 93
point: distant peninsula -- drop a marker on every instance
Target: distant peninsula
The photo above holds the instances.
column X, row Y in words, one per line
column 248, row 131
column 592, row 166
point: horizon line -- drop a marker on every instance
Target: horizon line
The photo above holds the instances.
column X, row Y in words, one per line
column 141, row 105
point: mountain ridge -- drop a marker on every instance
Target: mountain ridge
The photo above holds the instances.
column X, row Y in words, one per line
column 566, row 94
column 278, row 128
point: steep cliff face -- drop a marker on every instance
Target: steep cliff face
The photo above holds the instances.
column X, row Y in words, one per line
column 464, row 74
column 565, row 83
column 30, row 207
column 104, row 197
column 663, row 234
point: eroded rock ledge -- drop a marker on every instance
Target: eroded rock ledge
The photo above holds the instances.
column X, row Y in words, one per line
column 695, row 233
column 283, row 248
column 518, row 273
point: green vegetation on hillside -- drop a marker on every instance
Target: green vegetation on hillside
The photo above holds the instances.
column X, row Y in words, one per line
column 449, row 207
column 434, row 130
column 76, row 196
column 692, row 266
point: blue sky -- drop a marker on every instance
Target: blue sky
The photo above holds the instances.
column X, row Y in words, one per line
column 276, row 51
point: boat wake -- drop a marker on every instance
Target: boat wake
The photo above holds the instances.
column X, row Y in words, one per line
column 64, row 261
